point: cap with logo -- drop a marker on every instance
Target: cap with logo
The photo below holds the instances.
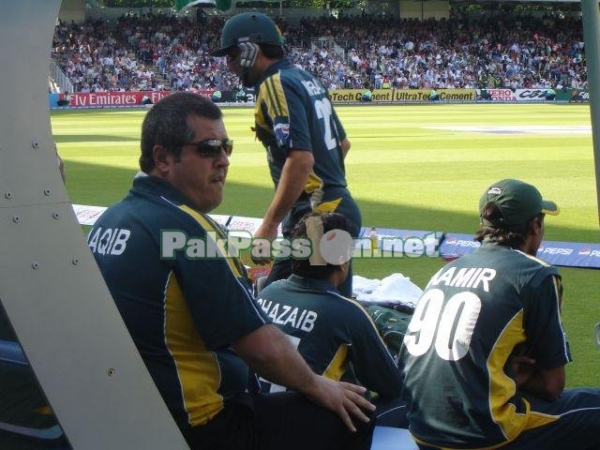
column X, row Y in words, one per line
column 248, row 27
column 517, row 201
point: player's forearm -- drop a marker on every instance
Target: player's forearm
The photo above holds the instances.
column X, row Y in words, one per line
column 287, row 368
column 546, row 384
column 269, row 353
column 345, row 146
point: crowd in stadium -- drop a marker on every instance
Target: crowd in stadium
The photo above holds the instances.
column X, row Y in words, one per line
column 158, row 52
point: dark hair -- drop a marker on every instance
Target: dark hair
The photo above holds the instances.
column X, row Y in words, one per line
column 331, row 221
column 272, row 51
column 166, row 124
column 509, row 236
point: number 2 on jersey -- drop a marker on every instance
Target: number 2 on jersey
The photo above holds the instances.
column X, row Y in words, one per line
column 324, row 111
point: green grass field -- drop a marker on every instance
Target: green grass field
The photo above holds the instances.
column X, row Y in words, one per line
column 410, row 167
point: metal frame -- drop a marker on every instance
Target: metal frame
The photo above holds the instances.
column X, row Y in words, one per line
column 591, row 35
column 50, row 287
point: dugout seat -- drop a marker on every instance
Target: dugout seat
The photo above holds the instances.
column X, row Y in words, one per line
column 26, row 420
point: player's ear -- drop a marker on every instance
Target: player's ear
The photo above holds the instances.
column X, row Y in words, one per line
column 160, row 156
column 536, row 225
column 344, row 269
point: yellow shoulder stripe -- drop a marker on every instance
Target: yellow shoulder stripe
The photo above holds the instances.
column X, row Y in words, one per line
column 211, row 226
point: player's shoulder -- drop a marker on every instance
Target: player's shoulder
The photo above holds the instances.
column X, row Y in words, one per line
column 350, row 307
column 277, row 288
column 529, row 270
column 533, row 261
column 122, row 212
column 294, row 74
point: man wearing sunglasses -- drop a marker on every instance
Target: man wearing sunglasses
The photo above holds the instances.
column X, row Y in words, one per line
column 295, row 121
column 192, row 315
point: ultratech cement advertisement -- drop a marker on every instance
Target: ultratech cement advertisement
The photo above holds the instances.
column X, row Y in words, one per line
column 402, row 96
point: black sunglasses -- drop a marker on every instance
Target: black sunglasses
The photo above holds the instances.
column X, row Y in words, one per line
column 211, row 148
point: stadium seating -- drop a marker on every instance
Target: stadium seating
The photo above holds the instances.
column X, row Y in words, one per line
column 156, row 52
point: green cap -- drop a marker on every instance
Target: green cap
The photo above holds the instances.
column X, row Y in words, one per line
column 517, row 201
column 248, row 27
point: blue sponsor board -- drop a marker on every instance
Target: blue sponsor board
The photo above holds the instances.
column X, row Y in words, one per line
column 404, row 234
column 402, row 242
column 572, row 254
column 456, row 245
column 453, row 245
column 567, row 254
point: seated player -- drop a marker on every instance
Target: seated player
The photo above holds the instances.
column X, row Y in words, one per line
column 485, row 353
column 335, row 334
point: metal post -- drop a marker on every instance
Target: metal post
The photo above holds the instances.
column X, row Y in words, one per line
column 50, row 287
column 591, row 35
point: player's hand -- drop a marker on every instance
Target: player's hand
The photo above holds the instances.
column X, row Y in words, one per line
column 261, row 253
column 345, row 399
column 523, row 368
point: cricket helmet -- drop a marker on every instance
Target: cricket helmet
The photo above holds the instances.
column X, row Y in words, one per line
column 248, row 27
